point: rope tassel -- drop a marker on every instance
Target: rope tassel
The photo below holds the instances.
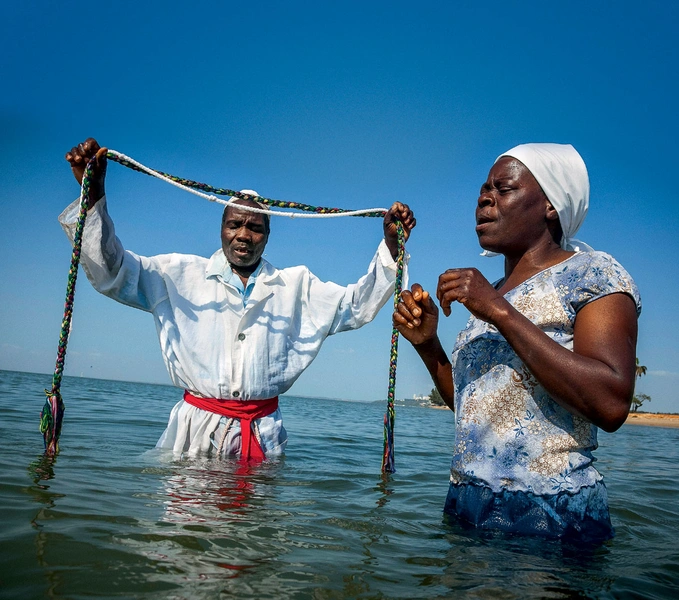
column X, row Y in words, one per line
column 50, row 421
column 52, row 413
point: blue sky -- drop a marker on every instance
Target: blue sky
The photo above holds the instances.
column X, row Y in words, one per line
column 353, row 104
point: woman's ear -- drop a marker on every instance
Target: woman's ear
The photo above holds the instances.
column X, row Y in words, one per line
column 550, row 212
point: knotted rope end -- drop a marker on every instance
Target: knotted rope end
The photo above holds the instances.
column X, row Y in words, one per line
column 51, row 418
column 388, row 463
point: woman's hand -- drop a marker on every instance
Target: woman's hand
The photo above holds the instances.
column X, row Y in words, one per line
column 397, row 212
column 416, row 316
column 471, row 289
column 79, row 156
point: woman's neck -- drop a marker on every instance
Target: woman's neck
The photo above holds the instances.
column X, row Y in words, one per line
column 520, row 268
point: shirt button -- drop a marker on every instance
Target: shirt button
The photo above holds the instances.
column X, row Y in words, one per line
column 241, row 336
column 236, row 394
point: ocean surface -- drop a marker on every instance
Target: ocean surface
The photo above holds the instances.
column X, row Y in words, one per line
column 113, row 518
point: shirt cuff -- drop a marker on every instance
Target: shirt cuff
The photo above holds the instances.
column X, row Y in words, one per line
column 70, row 214
column 385, row 256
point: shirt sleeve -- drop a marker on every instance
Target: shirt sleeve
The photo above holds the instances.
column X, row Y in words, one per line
column 130, row 279
column 601, row 276
column 335, row 308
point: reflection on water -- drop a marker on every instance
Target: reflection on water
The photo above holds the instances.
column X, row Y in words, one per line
column 211, row 525
column 42, row 468
column 112, row 517
column 212, row 492
column 383, row 487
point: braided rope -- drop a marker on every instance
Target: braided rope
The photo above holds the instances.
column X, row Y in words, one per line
column 52, row 413
column 196, row 188
column 388, row 458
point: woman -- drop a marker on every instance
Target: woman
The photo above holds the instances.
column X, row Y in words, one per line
column 547, row 357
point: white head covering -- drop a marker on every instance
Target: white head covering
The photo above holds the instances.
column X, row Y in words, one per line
column 260, row 204
column 253, row 193
column 562, row 175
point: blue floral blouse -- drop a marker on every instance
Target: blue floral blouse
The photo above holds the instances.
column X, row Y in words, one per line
column 510, row 434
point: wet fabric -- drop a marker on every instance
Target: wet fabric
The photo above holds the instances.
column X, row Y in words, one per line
column 583, row 516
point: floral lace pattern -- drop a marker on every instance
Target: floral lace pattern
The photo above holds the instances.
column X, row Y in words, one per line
column 510, row 434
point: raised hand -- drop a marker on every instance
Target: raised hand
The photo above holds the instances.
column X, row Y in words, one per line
column 79, row 156
column 397, row 212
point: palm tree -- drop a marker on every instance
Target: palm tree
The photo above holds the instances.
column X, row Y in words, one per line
column 641, row 369
column 639, row 399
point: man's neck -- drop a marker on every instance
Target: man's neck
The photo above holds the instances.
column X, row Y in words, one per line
column 244, row 273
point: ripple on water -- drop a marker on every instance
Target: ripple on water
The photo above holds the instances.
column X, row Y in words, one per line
column 112, row 517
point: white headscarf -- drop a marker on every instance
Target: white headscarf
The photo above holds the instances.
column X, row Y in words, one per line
column 562, row 175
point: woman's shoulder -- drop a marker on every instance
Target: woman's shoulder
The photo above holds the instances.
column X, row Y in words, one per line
column 585, row 260
column 594, row 274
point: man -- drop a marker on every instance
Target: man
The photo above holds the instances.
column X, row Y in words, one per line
column 235, row 331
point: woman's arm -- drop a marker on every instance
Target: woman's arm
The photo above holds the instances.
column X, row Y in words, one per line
column 596, row 379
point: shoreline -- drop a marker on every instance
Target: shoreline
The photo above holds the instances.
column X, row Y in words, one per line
column 653, row 419
column 647, row 419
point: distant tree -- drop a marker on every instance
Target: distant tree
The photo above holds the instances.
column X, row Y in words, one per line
column 641, row 369
column 435, row 398
column 639, row 399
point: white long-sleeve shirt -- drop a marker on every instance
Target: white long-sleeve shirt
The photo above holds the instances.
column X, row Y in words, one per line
column 219, row 343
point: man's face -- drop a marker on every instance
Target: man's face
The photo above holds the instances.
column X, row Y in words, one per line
column 244, row 236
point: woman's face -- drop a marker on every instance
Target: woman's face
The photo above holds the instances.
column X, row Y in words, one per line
column 512, row 212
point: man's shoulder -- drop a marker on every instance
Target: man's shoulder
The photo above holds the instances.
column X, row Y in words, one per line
column 177, row 263
column 287, row 274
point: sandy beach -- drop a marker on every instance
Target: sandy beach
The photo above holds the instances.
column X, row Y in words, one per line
column 653, row 420
column 648, row 419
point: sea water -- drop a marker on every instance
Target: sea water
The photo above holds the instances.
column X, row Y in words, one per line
column 113, row 518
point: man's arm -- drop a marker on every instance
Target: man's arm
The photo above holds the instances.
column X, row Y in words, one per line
column 121, row 275
column 359, row 303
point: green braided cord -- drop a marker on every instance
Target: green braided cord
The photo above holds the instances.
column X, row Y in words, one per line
column 204, row 187
column 388, row 465
column 53, row 412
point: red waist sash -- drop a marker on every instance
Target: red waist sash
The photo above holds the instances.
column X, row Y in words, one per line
column 246, row 411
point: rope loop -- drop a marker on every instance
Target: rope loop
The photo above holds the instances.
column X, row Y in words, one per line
column 52, row 414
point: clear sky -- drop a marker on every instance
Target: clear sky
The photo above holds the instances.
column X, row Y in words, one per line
column 351, row 104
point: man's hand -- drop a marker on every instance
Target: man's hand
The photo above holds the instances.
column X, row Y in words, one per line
column 79, row 156
column 397, row 212
column 416, row 316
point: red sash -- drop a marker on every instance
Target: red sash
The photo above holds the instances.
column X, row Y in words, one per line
column 246, row 411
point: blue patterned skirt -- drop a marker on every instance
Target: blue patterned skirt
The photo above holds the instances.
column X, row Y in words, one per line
column 580, row 516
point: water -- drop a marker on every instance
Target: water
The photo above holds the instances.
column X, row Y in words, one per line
column 112, row 518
